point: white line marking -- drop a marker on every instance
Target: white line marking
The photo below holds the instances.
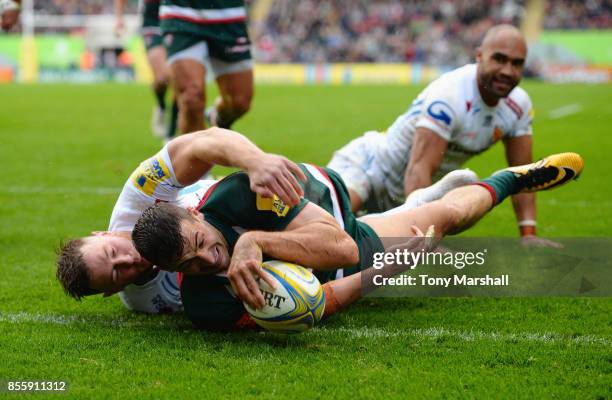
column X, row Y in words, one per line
column 60, row 190
column 357, row 333
column 577, row 203
column 565, row 111
column 468, row 336
column 59, row 319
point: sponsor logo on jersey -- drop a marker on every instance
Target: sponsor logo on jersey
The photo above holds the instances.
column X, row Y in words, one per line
column 149, row 174
column 272, row 204
column 488, row 120
column 440, row 111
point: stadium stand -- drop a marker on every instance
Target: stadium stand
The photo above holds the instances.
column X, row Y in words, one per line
column 440, row 33
column 316, row 34
column 79, row 7
column 437, row 33
column 571, row 14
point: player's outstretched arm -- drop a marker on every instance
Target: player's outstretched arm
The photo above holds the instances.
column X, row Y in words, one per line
column 426, row 155
column 341, row 293
column 194, row 154
column 519, row 152
column 313, row 239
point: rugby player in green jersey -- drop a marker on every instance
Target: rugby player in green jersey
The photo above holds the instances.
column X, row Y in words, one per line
column 224, row 240
column 201, row 35
column 107, row 262
column 156, row 55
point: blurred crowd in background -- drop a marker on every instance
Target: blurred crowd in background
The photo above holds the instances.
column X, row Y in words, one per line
column 572, row 14
column 441, row 33
column 79, row 7
column 444, row 32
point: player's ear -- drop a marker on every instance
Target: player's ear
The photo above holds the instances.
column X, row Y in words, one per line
column 193, row 212
column 479, row 54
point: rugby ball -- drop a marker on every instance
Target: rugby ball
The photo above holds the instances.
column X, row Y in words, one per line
column 295, row 304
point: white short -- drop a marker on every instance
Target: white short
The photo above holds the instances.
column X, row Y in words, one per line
column 356, row 164
column 199, row 52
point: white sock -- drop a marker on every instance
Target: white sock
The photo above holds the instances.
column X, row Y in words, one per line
column 450, row 181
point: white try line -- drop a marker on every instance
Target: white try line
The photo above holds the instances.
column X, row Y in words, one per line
column 357, row 333
column 564, row 111
column 59, row 319
column 467, row 336
column 577, row 203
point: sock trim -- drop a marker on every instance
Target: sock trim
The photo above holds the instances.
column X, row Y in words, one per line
column 490, row 189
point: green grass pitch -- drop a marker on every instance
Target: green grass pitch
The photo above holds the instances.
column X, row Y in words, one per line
column 66, row 152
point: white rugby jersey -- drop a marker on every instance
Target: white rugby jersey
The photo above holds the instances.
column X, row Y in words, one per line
column 451, row 106
column 153, row 181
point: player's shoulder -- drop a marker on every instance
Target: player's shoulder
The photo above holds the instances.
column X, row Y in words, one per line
column 520, row 97
column 457, row 79
column 160, row 294
column 230, row 192
column 454, row 86
column 518, row 101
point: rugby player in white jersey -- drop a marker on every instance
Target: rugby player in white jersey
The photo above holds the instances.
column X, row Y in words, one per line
column 107, row 262
column 9, row 13
column 459, row 115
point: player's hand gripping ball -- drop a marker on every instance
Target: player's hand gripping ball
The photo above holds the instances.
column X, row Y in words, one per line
column 295, row 304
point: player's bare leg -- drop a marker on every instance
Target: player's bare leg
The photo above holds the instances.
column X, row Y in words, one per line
column 188, row 77
column 341, row 293
column 236, row 92
column 456, row 211
column 161, row 75
column 462, row 207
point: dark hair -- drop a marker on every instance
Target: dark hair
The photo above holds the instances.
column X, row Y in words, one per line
column 71, row 270
column 157, row 234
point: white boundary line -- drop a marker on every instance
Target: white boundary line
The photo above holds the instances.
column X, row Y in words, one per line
column 565, row 111
column 357, row 333
column 469, row 336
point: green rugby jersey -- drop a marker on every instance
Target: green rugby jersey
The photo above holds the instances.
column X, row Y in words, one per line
column 232, row 208
column 150, row 17
column 203, row 17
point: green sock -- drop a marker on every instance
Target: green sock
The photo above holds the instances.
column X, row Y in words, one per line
column 501, row 185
